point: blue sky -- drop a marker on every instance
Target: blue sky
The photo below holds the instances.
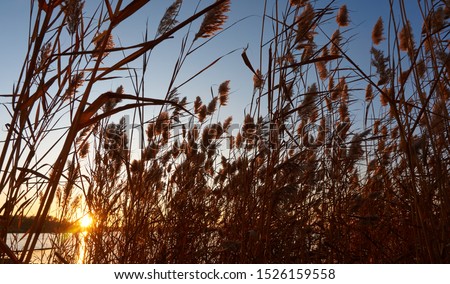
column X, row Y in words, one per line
column 16, row 14
column 363, row 14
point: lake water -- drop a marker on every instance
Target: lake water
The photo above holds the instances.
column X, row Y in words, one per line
column 47, row 246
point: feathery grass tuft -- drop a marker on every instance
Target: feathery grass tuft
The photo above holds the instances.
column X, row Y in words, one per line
column 342, row 17
column 73, row 10
column 224, row 90
column 168, row 21
column 214, row 20
column 377, row 32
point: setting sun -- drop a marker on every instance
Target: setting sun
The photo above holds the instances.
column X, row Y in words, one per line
column 86, row 221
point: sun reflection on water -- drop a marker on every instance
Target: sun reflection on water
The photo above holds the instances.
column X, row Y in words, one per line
column 85, row 224
column 82, row 247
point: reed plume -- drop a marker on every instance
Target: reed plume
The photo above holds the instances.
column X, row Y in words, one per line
column 380, row 62
column 162, row 123
column 83, row 151
column 377, row 32
column 212, row 106
column 298, row 176
column 369, row 93
column 224, row 90
column 202, row 113
column 384, row 97
column 168, row 21
column 300, row 3
column 309, row 102
column 342, row 17
column 102, row 39
column 76, row 81
column 335, row 43
column 322, row 68
column 305, row 27
column 112, row 102
column 197, row 104
column 214, row 20
column 227, row 123
column 258, row 81
column 406, row 39
column 73, row 10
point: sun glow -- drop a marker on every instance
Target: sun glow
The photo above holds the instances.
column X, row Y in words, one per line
column 86, row 221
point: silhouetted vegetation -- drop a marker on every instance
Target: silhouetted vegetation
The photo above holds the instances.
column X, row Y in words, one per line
column 306, row 177
column 51, row 225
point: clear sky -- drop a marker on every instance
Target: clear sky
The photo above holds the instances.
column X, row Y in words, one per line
column 14, row 26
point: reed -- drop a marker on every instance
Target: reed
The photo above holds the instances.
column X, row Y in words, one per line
column 304, row 178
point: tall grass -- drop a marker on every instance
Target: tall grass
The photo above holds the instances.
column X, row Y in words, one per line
column 305, row 179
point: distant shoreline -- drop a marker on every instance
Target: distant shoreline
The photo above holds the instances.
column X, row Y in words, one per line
column 51, row 225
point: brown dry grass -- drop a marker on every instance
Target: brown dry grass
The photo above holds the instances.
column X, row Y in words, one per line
column 300, row 182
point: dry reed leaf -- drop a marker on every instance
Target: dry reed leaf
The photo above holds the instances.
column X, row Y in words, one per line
column 128, row 11
column 247, row 61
